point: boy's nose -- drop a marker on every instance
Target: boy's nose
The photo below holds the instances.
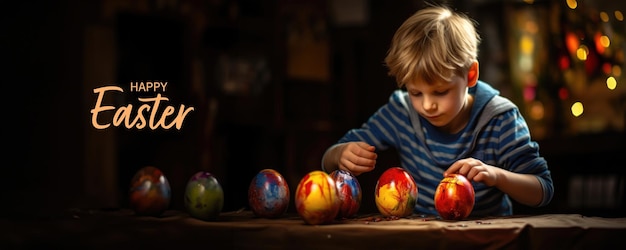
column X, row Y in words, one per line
column 429, row 103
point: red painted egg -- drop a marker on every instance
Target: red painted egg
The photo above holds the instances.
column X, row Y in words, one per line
column 454, row 197
column 396, row 193
column 349, row 193
column 316, row 198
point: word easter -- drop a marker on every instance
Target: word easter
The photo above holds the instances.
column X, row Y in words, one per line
column 147, row 86
column 124, row 113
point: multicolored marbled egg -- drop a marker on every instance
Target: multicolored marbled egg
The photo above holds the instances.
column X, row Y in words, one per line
column 396, row 193
column 150, row 192
column 268, row 194
column 349, row 193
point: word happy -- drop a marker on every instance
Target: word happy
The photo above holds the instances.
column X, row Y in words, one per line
column 147, row 86
column 125, row 114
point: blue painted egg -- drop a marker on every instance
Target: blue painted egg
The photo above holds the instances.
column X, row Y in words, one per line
column 268, row 194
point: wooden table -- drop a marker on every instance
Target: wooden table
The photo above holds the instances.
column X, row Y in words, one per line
column 121, row 229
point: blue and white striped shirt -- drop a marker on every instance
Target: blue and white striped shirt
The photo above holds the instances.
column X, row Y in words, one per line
column 496, row 134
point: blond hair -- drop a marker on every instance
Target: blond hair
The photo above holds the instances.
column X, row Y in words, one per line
column 433, row 44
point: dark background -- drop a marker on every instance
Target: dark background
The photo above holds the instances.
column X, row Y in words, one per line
column 56, row 52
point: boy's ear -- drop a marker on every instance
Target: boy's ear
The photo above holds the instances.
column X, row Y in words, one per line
column 472, row 75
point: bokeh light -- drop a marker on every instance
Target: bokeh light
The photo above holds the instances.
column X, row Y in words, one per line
column 572, row 42
column 529, row 93
column 582, row 52
column 611, row 83
column 604, row 17
column 572, row 4
column 605, row 41
column 527, row 45
column 536, row 110
column 577, row 109
column 564, row 62
column 602, row 42
column 563, row 93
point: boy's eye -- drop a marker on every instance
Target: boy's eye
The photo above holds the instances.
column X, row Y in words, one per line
column 416, row 93
column 441, row 92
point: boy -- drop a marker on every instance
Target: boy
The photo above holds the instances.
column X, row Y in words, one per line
column 444, row 120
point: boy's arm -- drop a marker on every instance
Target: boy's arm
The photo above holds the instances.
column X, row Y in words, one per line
column 329, row 160
column 355, row 151
column 524, row 188
column 356, row 157
column 526, row 175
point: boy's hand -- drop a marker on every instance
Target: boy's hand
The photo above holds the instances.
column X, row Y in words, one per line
column 474, row 170
column 357, row 157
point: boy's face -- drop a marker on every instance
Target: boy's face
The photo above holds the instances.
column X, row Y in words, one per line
column 443, row 104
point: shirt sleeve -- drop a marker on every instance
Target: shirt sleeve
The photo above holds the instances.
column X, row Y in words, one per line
column 519, row 154
column 383, row 127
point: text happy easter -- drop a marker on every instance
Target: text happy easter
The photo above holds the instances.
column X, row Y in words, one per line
column 159, row 116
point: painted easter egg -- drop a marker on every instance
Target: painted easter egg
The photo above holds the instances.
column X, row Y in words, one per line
column 349, row 193
column 396, row 193
column 316, row 198
column 268, row 194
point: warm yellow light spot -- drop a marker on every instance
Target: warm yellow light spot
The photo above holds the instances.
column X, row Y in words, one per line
column 527, row 45
column 617, row 70
column 582, row 52
column 577, row 109
column 619, row 16
column 604, row 17
column 529, row 1
column 537, row 110
column 572, row 4
column 611, row 83
column 605, row 41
